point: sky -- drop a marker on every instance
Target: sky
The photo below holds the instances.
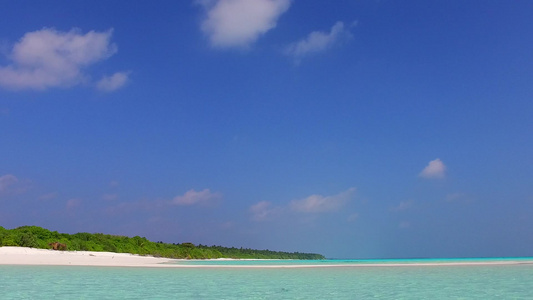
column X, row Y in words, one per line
column 354, row 129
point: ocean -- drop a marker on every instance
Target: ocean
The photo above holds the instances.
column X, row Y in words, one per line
column 278, row 280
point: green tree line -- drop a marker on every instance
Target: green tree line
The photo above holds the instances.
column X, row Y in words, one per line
column 37, row 237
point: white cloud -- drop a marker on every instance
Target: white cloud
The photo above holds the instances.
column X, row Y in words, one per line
column 6, row 181
column 318, row 41
column 113, row 82
column 239, row 23
column 49, row 196
column 404, row 205
column 266, row 211
column 193, row 197
column 459, row 197
column 190, row 198
column 110, row 197
column 49, row 58
column 435, row 169
column 353, row 217
column 73, row 203
column 263, row 210
column 114, row 183
column 404, row 225
column 319, row 203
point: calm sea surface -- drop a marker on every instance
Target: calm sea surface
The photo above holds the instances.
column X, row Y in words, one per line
column 340, row 282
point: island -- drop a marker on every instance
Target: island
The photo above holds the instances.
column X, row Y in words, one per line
column 41, row 238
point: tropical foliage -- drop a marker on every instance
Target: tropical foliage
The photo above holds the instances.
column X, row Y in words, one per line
column 37, row 237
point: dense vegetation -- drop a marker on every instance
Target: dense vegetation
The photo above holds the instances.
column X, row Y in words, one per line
column 37, row 237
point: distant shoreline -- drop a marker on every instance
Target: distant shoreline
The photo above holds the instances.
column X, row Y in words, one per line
column 46, row 257
column 42, row 238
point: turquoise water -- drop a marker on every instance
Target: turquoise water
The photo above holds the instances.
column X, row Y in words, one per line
column 412, row 282
column 340, row 262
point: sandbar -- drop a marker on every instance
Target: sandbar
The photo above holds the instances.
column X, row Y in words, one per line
column 32, row 256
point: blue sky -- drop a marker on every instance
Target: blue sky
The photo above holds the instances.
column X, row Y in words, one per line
column 360, row 129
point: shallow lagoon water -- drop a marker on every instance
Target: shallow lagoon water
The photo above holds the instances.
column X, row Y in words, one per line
column 353, row 262
column 340, row 282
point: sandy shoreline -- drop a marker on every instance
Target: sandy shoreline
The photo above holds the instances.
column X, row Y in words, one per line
column 32, row 256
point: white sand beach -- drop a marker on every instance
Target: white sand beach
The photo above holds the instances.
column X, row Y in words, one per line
column 32, row 256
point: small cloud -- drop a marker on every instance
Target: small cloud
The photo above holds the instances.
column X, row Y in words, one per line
column 110, row 197
column 263, row 210
column 128, row 207
column 49, row 196
column 113, row 82
column 190, row 198
column 49, row 58
column 193, row 197
column 114, row 183
column 403, row 205
column 353, row 217
column 318, row 41
column 227, row 225
column 7, row 181
column 434, row 170
column 73, row 203
column 10, row 184
column 404, row 225
column 239, row 23
column 459, row 197
column 319, row 203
